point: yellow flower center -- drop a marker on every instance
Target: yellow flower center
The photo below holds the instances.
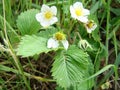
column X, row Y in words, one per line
column 90, row 24
column 79, row 12
column 59, row 36
column 48, row 15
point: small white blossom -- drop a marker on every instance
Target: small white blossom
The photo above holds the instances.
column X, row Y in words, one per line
column 83, row 44
column 55, row 41
column 90, row 26
column 47, row 16
column 79, row 12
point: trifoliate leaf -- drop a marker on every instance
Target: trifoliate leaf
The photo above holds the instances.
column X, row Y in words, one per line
column 31, row 45
column 27, row 23
column 70, row 67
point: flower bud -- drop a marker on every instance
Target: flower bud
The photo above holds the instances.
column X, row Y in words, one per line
column 83, row 44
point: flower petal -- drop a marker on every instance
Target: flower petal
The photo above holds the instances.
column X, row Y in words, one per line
column 52, row 43
column 53, row 20
column 89, row 30
column 72, row 11
column 54, row 10
column 65, row 44
column 45, row 23
column 94, row 27
column 86, row 12
column 78, row 5
column 44, row 8
column 39, row 17
column 83, row 19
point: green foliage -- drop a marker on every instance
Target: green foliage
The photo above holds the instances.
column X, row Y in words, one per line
column 115, row 21
column 71, row 67
column 48, row 32
column 14, row 39
column 8, row 11
column 111, row 72
column 1, row 81
column 116, row 11
column 103, row 70
column 95, row 7
column 31, row 45
column 27, row 23
column 13, row 36
column 35, row 44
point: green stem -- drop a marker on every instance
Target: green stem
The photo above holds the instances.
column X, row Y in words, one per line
column 8, row 25
column 107, row 30
column 8, row 69
column 79, row 35
column 30, row 4
column 115, row 43
column 11, row 50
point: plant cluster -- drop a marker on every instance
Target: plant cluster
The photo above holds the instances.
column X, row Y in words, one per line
column 70, row 31
column 72, row 62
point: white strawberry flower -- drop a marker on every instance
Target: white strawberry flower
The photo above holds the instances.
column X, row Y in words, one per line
column 79, row 12
column 56, row 40
column 47, row 16
column 90, row 26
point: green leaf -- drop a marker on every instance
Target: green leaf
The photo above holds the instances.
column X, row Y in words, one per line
column 14, row 39
column 48, row 32
column 116, row 11
column 95, row 7
column 58, row 88
column 1, row 81
column 70, row 67
column 101, row 71
column 27, row 23
column 35, row 44
column 85, row 85
column 115, row 21
column 31, row 45
column 110, row 73
column 82, row 30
